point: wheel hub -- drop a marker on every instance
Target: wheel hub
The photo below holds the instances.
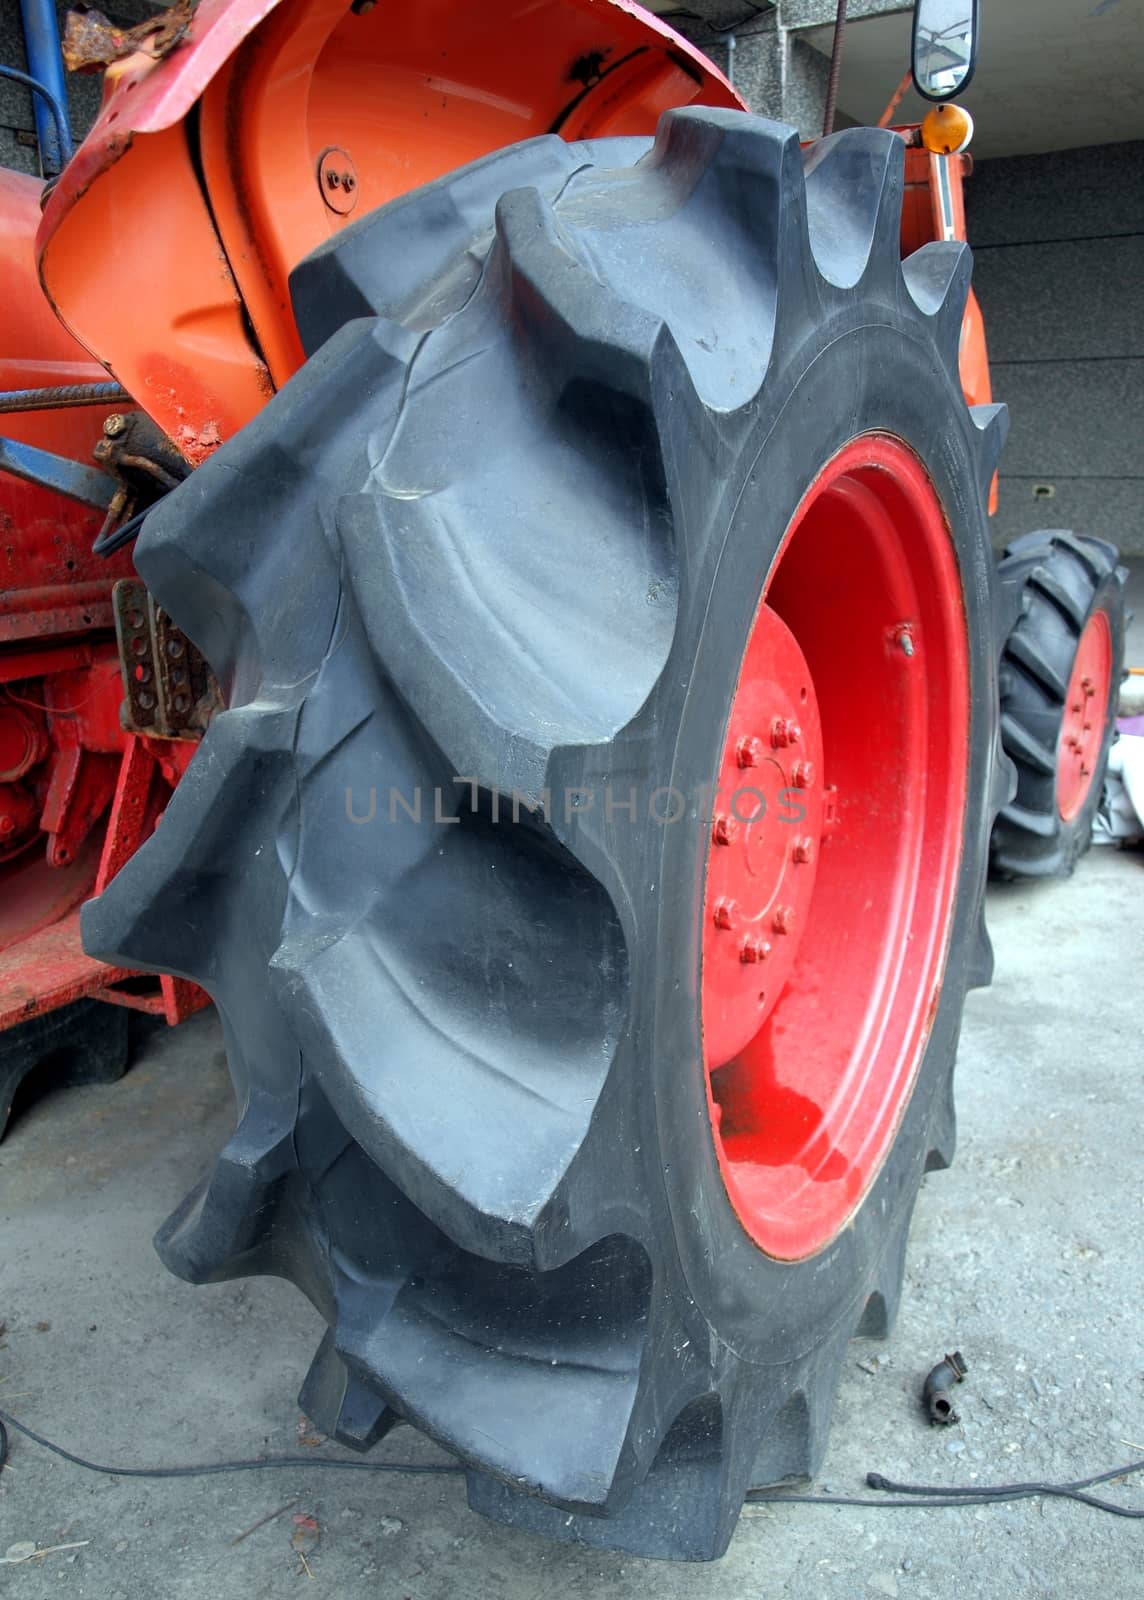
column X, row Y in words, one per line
column 1082, row 727
column 765, row 837
column 835, row 842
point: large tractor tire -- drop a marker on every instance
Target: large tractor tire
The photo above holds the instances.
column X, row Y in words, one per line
column 589, row 866
column 1059, row 685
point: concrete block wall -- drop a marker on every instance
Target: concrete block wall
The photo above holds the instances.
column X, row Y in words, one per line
column 1058, row 245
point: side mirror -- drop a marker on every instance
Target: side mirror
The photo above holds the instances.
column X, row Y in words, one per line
column 945, row 47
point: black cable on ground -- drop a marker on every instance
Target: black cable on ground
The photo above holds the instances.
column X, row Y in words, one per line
column 984, row 1494
column 208, row 1468
column 917, row 1495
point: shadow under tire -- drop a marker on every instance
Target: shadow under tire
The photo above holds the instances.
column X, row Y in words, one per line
column 82, row 1043
column 481, row 585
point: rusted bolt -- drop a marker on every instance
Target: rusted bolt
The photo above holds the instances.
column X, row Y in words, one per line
column 783, row 919
column 723, row 915
column 114, row 425
column 803, row 850
column 724, row 829
column 784, row 731
column 752, row 950
column 802, row 774
column 749, row 751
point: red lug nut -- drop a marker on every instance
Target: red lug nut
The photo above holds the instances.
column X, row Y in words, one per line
column 749, row 751
column 803, row 849
column 724, row 914
column 724, row 829
column 784, row 731
column 802, row 774
column 752, row 950
column 783, row 919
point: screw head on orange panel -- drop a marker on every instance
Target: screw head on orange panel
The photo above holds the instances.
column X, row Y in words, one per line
column 338, row 180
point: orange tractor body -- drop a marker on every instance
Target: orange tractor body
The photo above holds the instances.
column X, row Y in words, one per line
column 222, row 156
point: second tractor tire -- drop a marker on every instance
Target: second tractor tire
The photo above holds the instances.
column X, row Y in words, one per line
column 1061, row 669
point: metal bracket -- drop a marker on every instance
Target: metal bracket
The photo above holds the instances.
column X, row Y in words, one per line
column 169, row 692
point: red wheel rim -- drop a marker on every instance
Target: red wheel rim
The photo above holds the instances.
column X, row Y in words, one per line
column 1082, row 727
column 835, row 846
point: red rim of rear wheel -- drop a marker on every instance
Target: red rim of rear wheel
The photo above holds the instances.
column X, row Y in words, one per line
column 1082, row 727
column 835, row 846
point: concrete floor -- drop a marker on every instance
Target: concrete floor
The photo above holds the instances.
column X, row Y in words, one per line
column 1028, row 1256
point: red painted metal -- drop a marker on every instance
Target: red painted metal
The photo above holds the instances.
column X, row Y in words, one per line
column 48, row 969
column 60, row 741
column 50, row 583
column 826, row 916
column 1082, row 728
column 924, row 220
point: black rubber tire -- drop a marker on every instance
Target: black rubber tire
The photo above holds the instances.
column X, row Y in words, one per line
column 1064, row 580
column 510, row 522
column 83, row 1043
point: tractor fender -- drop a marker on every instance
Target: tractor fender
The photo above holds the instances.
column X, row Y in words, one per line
column 199, row 243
